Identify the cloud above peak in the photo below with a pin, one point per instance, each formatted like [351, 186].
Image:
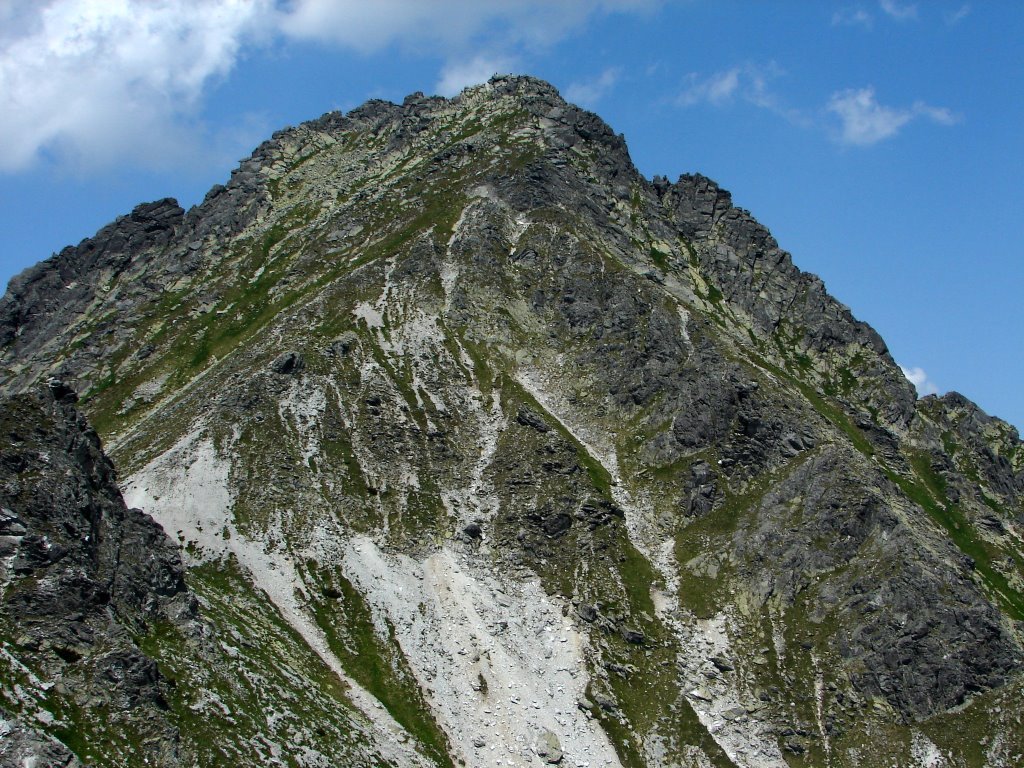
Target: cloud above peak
[852, 17]
[898, 11]
[92, 83]
[746, 82]
[862, 119]
[457, 75]
[717, 88]
[588, 92]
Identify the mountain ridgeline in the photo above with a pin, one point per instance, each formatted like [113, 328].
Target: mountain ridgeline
[475, 447]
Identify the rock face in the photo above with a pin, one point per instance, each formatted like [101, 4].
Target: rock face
[483, 447]
[82, 576]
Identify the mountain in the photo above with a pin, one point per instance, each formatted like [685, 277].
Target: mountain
[483, 449]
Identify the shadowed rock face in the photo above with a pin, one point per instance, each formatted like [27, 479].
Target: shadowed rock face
[475, 437]
[82, 574]
[922, 660]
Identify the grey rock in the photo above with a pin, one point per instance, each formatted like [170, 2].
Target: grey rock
[288, 363]
[634, 636]
[898, 659]
[21, 745]
[734, 713]
[43, 299]
[548, 748]
[344, 344]
[529, 418]
[722, 664]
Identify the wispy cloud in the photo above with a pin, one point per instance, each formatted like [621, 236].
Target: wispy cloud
[743, 82]
[747, 83]
[955, 17]
[920, 380]
[864, 121]
[589, 92]
[104, 82]
[370, 26]
[717, 88]
[853, 17]
[898, 11]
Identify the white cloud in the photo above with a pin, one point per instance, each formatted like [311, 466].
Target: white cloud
[748, 82]
[717, 88]
[102, 82]
[852, 17]
[863, 121]
[589, 92]
[940, 115]
[99, 80]
[458, 75]
[897, 11]
[920, 380]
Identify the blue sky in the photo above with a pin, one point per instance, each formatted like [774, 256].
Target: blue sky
[881, 141]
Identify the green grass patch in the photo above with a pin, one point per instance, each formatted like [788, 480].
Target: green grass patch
[930, 494]
[375, 661]
[257, 681]
[600, 478]
[660, 259]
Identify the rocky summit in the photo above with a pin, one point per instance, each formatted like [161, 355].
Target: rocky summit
[443, 437]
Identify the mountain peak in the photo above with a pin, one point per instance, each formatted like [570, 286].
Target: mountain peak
[474, 435]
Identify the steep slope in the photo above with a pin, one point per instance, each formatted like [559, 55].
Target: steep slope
[108, 657]
[553, 461]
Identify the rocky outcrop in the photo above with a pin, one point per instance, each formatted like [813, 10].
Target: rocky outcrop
[106, 656]
[21, 745]
[82, 575]
[46, 298]
[746, 264]
[966, 443]
[921, 661]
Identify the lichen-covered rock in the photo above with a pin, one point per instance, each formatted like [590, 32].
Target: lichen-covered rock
[22, 746]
